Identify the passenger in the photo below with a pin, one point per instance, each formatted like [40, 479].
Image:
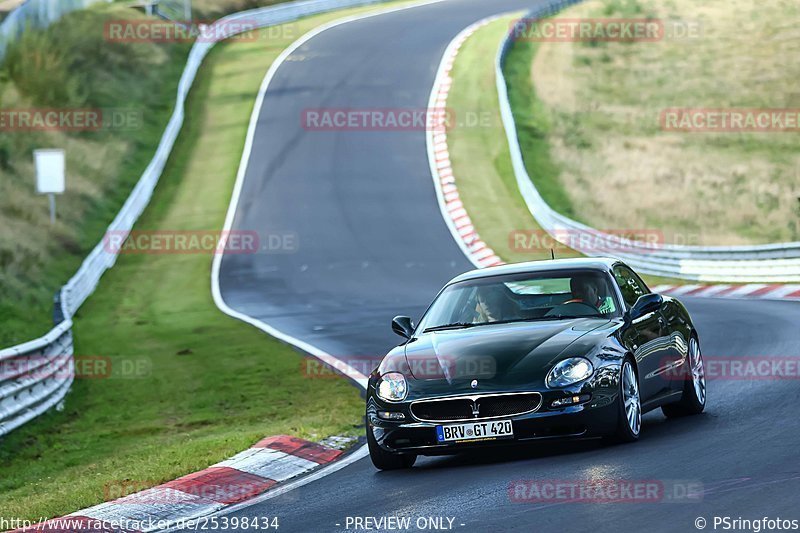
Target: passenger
[489, 305]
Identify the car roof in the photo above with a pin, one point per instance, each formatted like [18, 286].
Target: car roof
[604, 264]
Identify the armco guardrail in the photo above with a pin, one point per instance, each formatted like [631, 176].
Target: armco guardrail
[748, 264]
[36, 376]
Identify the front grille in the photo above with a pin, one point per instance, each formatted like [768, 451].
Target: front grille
[443, 410]
[487, 406]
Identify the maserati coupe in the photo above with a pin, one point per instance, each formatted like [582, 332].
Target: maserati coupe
[573, 348]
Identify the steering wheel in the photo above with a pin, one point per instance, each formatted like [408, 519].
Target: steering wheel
[573, 309]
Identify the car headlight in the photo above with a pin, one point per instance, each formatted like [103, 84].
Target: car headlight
[569, 371]
[392, 387]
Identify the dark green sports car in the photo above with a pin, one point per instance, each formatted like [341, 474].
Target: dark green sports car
[573, 348]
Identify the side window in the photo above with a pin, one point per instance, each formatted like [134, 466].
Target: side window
[629, 284]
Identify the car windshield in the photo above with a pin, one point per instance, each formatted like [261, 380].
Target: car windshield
[522, 297]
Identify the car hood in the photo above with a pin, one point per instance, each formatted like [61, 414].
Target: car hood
[501, 354]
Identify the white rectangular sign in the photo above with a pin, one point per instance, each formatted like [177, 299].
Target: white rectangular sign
[50, 167]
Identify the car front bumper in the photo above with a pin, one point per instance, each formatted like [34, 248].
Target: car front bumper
[596, 418]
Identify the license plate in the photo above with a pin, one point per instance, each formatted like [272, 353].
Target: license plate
[497, 429]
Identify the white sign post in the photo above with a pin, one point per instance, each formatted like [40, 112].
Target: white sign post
[50, 169]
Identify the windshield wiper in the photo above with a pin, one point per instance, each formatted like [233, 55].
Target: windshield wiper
[567, 317]
[463, 325]
[454, 325]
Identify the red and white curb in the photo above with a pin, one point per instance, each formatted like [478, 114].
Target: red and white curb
[481, 255]
[450, 203]
[242, 477]
[753, 291]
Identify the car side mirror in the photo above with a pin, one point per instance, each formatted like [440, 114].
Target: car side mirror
[403, 326]
[647, 303]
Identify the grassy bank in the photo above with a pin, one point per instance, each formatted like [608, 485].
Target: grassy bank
[210, 386]
[601, 153]
[72, 67]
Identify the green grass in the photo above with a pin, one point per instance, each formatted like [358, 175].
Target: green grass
[215, 385]
[533, 128]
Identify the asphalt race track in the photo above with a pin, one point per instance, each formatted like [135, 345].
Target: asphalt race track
[372, 244]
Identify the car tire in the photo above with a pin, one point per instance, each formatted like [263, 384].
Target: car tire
[629, 421]
[384, 460]
[693, 398]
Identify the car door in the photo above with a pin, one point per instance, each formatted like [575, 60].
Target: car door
[646, 337]
[678, 331]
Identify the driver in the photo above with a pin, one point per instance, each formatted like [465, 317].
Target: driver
[585, 291]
